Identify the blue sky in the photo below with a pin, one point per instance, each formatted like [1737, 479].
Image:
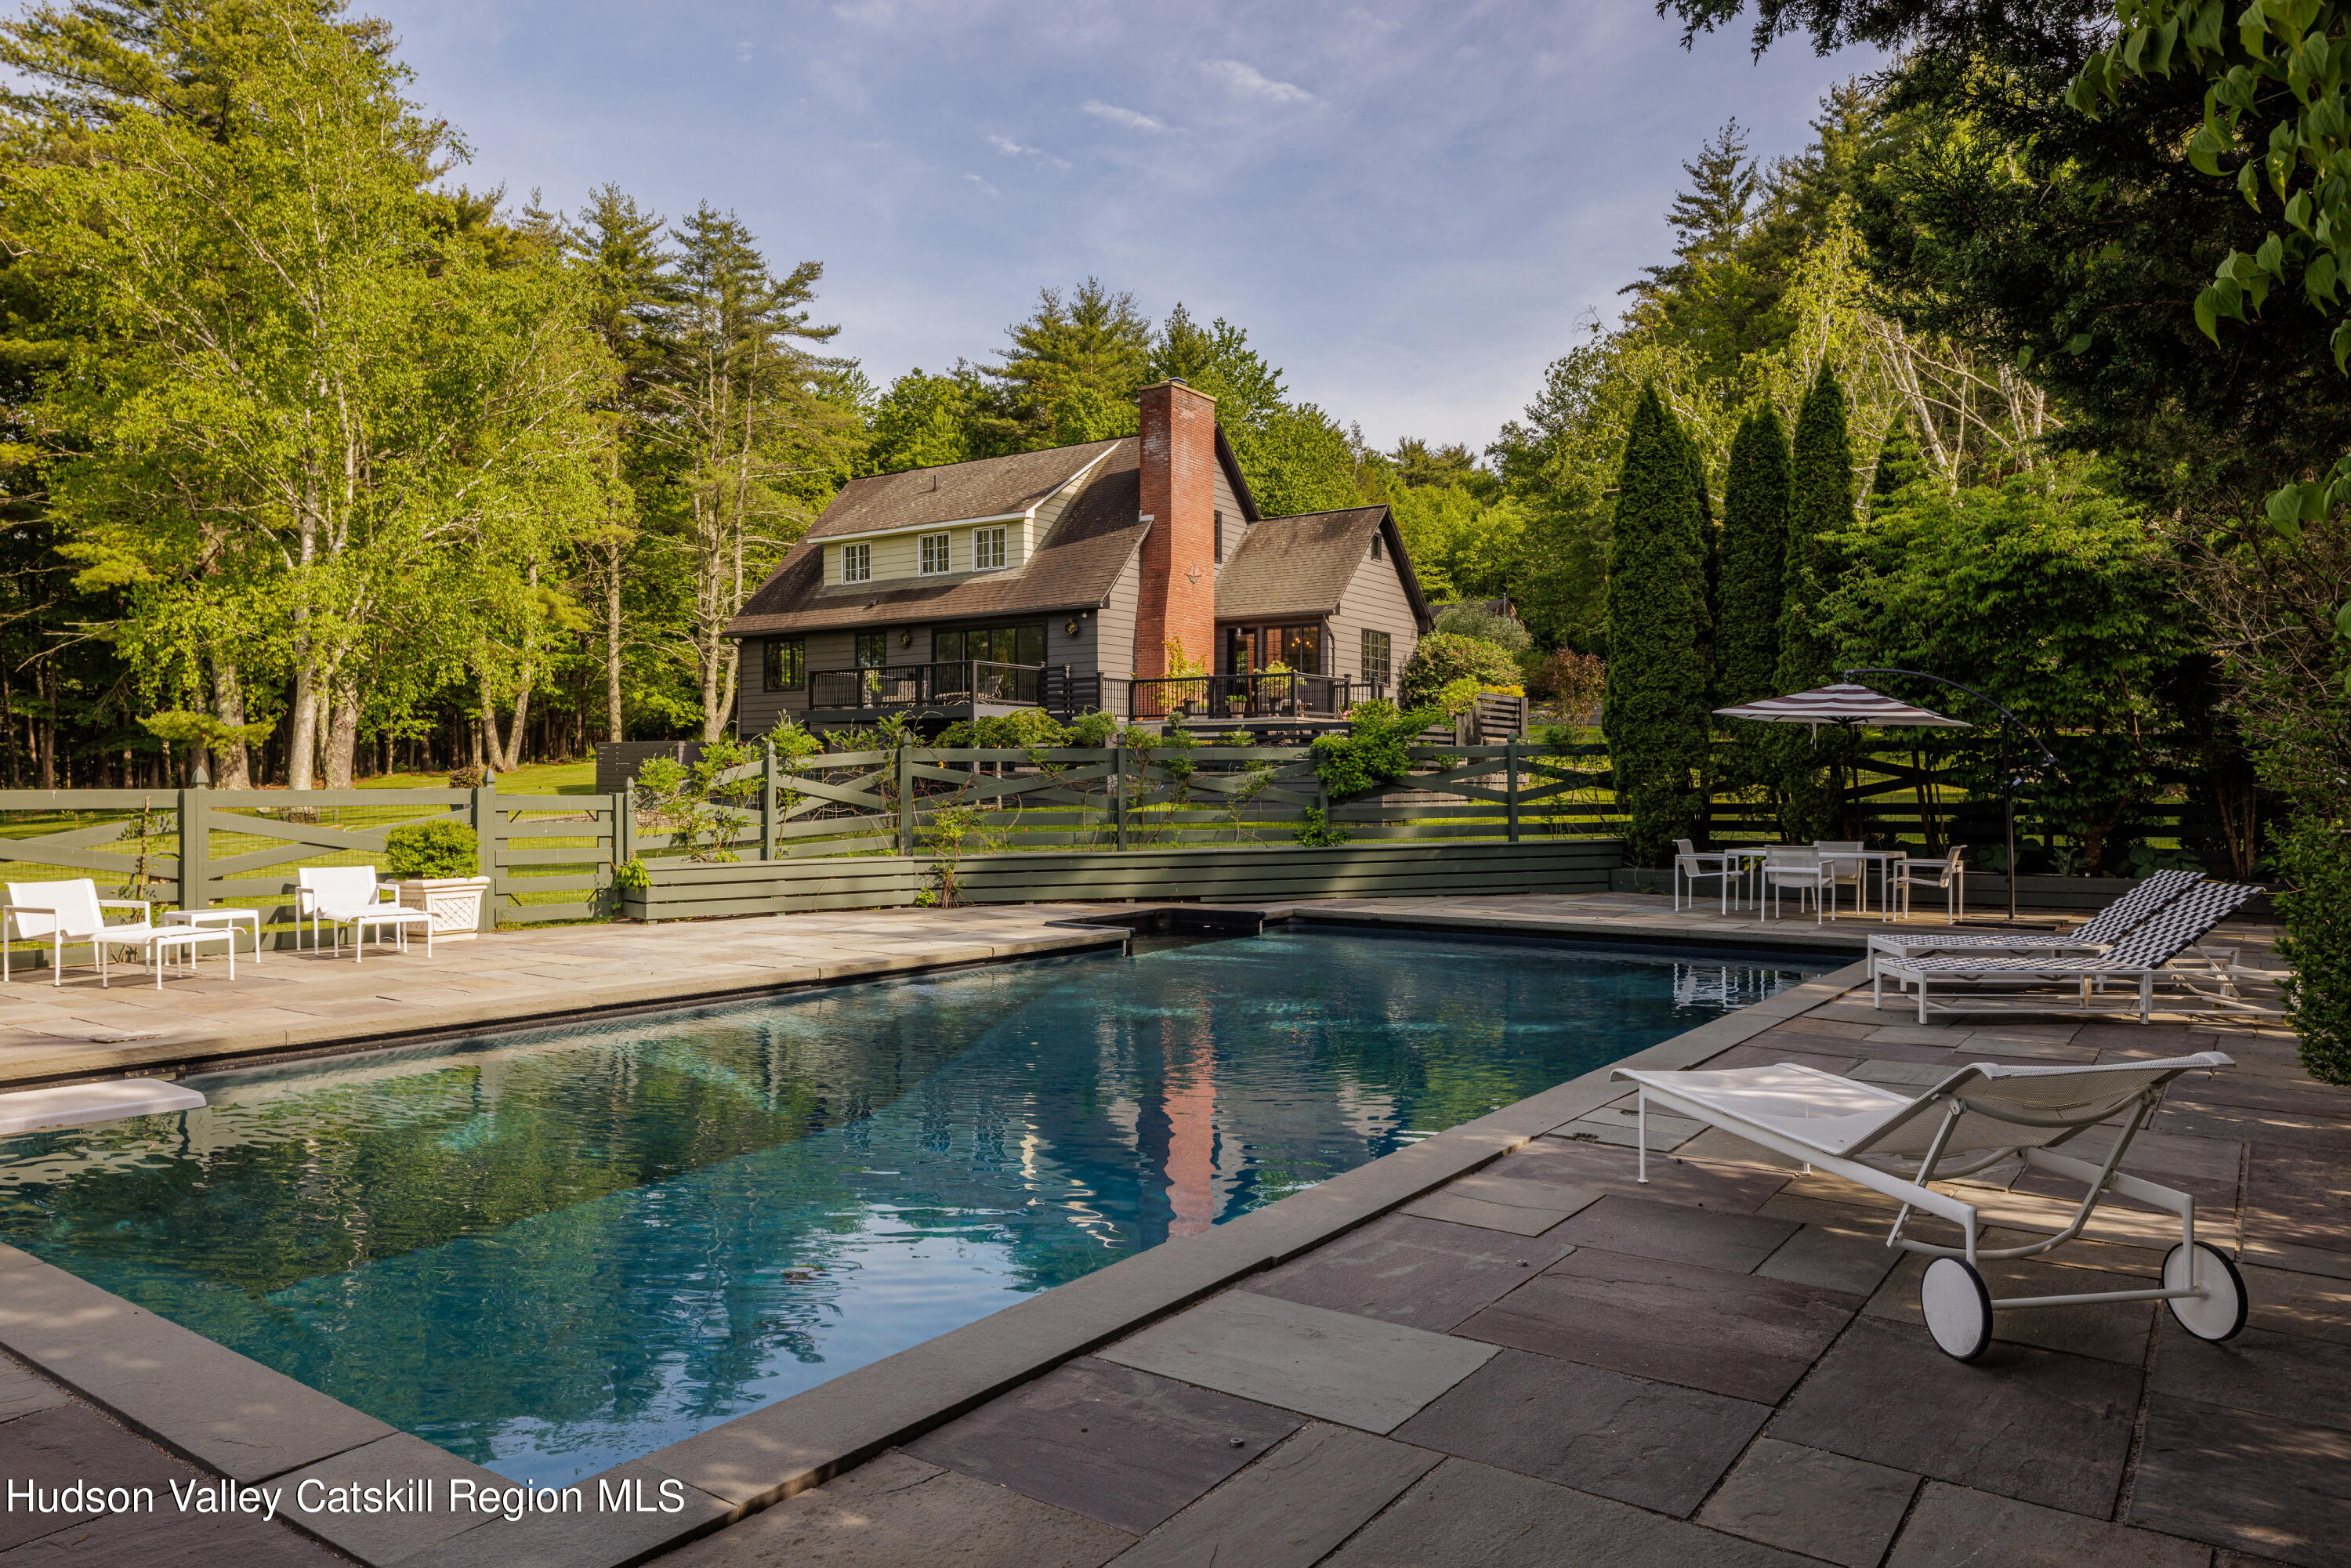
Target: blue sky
[1410, 206]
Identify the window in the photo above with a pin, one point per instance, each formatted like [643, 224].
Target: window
[783, 664]
[1220, 536]
[873, 649]
[1021, 643]
[937, 555]
[1376, 656]
[986, 549]
[1237, 651]
[857, 563]
[1299, 647]
[1376, 548]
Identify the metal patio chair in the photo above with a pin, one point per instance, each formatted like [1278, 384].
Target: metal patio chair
[1976, 1117]
[1690, 863]
[63, 913]
[350, 895]
[1948, 876]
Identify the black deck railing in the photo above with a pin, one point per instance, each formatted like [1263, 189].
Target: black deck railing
[951, 684]
[1247, 696]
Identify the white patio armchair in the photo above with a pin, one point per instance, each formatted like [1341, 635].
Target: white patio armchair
[1843, 872]
[66, 913]
[1691, 866]
[1788, 865]
[340, 895]
[1948, 876]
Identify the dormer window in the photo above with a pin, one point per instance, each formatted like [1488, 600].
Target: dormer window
[857, 563]
[1376, 544]
[936, 554]
[986, 549]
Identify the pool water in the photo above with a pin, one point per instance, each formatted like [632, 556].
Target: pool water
[552, 1252]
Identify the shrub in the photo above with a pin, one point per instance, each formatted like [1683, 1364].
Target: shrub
[1445, 657]
[1572, 680]
[1029, 727]
[2317, 944]
[1374, 751]
[440, 847]
[468, 778]
[1485, 626]
[1095, 728]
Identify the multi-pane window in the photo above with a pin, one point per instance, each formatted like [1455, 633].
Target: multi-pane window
[935, 554]
[1297, 648]
[783, 664]
[1021, 643]
[987, 549]
[857, 563]
[1376, 656]
[873, 650]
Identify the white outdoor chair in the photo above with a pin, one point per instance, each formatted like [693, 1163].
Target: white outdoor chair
[1803, 869]
[1948, 876]
[1845, 873]
[2101, 931]
[1976, 1117]
[2144, 958]
[71, 912]
[340, 895]
[1690, 863]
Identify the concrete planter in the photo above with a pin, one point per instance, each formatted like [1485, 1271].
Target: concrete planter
[454, 902]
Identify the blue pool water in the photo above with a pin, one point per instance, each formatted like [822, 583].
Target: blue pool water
[552, 1252]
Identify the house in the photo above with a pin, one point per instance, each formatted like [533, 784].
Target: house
[1080, 578]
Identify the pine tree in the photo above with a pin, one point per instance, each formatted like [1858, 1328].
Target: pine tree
[1820, 508]
[1755, 561]
[1898, 465]
[1656, 711]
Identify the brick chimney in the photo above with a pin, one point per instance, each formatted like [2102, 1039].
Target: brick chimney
[1179, 501]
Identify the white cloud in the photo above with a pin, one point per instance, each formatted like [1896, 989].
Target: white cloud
[1125, 117]
[985, 188]
[742, 48]
[1012, 149]
[1247, 81]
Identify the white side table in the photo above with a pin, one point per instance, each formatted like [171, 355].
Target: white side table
[225, 914]
[184, 939]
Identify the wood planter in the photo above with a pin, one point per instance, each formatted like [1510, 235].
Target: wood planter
[454, 903]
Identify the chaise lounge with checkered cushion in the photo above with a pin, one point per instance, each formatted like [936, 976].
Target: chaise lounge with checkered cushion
[2101, 931]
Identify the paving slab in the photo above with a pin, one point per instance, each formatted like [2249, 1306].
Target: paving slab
[1726, 1148]
[1468, 1515]
[1679, 1323]
[1640, 1441]
[1834, 1257]
[588, 1539]
[2258, 1484]
[1957, 1527]
[23, 1392]
[899, 1512]
[1621, 1124]
[392, 1535]
[1405, 1269]
[2036, 1425]
[1344, 1368]
[1503, 1203]
[1672, 1179]
[2108, 1330]
[170, 1539]
[1677, 1232]
[1126, 1448]
[66, 1445]
[1291, 1506]
[2261, 1370]
[2314, 1306]
[1824, 1505]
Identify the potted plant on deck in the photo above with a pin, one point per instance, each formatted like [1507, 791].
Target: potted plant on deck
[436, 862]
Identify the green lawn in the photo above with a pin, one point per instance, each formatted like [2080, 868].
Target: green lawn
[532, 779]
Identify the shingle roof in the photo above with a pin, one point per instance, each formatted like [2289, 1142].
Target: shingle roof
[983, 487]
[1302, 565]
[1074, 566]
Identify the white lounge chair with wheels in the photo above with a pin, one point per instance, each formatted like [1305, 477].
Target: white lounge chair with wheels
[1978, 1117]
[2101, 931]
[1948, 877]
[70, 912]
[350, 895]
[1691, 863]
[2147, 957]
[1788, 866]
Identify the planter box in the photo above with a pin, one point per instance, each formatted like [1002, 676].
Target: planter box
[454, 903]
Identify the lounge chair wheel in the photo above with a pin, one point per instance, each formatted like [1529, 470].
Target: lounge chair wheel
[1958, 1307]
[2218, 1315]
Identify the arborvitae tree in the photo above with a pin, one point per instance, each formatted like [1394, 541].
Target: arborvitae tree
[1898, 464]
[1820, 506]
[1655, 716]
[1754, 561]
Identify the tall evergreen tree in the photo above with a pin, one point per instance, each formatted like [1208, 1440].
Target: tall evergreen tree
[1898, 464]
[1820, 508]
[1754, 561]
[1656, 712]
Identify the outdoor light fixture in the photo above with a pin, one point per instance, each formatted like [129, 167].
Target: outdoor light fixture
[1070, 627]
[905, 639]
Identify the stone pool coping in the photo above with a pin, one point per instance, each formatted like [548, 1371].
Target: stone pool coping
[251, 1424]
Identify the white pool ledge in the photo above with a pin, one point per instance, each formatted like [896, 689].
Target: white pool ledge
[72, 1105]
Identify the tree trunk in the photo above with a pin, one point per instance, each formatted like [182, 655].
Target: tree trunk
[612, 645]
[47, 679]
[230, 768]
[302, 745]
[343, 733]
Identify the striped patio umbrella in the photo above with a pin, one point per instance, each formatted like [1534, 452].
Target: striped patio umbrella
[1846, 704]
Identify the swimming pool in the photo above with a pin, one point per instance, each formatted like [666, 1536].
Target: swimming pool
[554, 1251]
